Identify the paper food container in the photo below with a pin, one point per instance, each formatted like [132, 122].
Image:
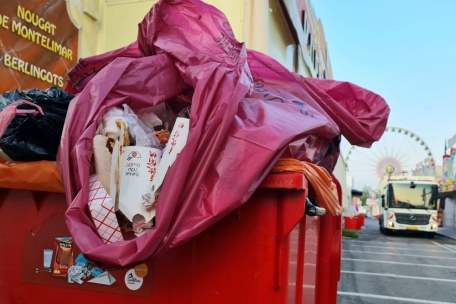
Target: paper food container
[176, 143]
[102, 211]
[138, 167]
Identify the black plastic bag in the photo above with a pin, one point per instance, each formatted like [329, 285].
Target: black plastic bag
[35, 137]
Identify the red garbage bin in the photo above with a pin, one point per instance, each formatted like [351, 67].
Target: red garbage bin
[351, 223]
[266, 251]
[361, 219]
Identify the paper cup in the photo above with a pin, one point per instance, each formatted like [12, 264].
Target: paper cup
[47, 258]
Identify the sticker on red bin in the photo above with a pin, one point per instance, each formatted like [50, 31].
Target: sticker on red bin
[132, 281]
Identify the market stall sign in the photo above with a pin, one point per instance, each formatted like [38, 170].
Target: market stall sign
[448, 181]
[38, 44]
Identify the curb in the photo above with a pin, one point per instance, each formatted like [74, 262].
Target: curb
[448, 237]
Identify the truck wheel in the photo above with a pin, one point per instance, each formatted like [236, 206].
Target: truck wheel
[386, 231]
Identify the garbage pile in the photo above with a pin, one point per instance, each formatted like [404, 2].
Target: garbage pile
[131, 154]
[31, 123]
[168, 135]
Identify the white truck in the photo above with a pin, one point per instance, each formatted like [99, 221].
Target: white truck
[409, 203]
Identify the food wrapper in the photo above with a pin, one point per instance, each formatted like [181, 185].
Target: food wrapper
[103, 148]
[102, 212]
[110, 126]
[63, 258]
[141, 134]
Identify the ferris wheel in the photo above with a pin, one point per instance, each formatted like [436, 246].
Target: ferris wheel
[398, 152]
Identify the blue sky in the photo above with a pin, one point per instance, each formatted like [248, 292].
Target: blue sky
[403, 50]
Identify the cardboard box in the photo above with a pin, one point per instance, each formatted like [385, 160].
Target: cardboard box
[176, 143]
[138, 167]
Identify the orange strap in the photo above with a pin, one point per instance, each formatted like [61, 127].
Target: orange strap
[319, 179]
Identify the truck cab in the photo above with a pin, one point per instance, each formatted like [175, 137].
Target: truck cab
[409, 204]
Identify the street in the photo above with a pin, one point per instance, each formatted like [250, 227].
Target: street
[401, 268]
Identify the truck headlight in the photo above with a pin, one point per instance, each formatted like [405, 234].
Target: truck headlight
[433, 226]
[390, 224]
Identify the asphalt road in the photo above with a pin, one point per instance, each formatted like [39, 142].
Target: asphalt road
[397, 269]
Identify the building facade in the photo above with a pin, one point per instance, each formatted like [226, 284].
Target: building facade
[286, 30]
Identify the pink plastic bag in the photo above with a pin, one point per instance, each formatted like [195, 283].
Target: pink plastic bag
[87, 68]
[244, 117]
[8, 113]
[360, 114]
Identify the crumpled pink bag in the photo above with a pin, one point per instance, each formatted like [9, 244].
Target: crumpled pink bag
[8, 113]
[247, 112]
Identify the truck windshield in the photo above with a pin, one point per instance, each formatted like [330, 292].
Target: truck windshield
[421, 196]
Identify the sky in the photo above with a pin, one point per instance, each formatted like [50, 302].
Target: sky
[403, 50]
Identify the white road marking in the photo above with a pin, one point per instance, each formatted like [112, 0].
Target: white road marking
[374, 296]
[444, 246]
[391, 275]
[451, 247]
[398, 263]
[399, 248]
[410, 255]
[394, 243]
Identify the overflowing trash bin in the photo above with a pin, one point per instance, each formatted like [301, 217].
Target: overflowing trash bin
[190, 170]
[259, 253]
